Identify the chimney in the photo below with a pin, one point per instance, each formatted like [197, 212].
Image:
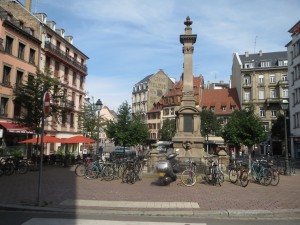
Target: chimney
[247, 54]
[28, 5]
[260, 52]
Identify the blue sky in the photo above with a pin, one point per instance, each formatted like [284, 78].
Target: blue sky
[127, 40]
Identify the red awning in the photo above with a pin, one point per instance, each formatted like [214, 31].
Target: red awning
[16, 128]
[47, 139]
[77, 139]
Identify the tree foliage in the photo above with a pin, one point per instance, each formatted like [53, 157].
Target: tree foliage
[244, 127]
[210, 124]
[128, 130]
[277, 129]
[88, 119]
[168, 130]
[29, 96]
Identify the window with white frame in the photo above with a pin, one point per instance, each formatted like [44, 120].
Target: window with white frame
[266, 127]
[261, 79]
[273, 112]
[272, 79]
[284, 77]
[282, 62]
[247, 80]
[265, 63]
[261, 94]
[223, 108]
[232, 107]
[262, 112]
[248, 65]
[247, 95]
[272, 93]
[212, 108]
[285, 93]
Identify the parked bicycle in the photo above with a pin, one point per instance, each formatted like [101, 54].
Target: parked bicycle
[213, 173]
[258, 172]
[238, 172]
[188, 176]
[98, 168]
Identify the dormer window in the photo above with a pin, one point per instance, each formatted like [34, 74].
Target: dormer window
[204, 108]
[223, 108]
[265, 64]
[282, 62]
[248, 65]
[232, 107]
[212, 108]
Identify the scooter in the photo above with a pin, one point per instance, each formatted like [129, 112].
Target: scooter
[167, 169]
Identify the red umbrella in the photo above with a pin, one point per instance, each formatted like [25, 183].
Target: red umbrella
[77, 139]
[47, 139]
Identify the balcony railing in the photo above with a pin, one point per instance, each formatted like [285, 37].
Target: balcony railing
[52, 48]
[67, 104]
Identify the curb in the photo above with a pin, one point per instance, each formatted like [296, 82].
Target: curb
[230, 213]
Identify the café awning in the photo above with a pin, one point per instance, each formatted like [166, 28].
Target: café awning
[16, 128]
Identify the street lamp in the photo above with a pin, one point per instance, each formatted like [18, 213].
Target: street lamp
[284, 106]
[98, 108]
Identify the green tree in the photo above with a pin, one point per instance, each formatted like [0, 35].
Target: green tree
[210, 124]
[88, 119]
[29, 95]
[277, 130]
[128, 130]
[168, 130]
[244, 127]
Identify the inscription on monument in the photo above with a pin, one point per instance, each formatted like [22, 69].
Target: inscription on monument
[188, 123]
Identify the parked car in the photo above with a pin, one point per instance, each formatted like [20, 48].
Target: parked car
[161, 148]
[119, 152]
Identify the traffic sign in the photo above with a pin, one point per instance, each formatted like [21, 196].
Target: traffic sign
[46, 103]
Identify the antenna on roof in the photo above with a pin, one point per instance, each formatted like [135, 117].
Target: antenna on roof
[255, 44]
[35, 6]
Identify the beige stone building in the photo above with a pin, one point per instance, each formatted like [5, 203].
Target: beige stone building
[47, 46]
[261, 79]
[149, 90]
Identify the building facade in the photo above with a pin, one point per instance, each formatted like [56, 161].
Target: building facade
[49, 48]
[293, 48]
[261, 80]
[19, 56]
[167, 106]
[149, 90]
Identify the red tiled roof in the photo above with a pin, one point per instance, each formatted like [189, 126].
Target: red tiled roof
[219, 98]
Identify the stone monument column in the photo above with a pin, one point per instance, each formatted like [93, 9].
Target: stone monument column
[188, 138]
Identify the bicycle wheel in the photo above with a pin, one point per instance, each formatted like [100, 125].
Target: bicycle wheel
[80, 170]
[221, 176]
[233, 175]
[107, 173]
[120, 170]
[275, 177]
[266, 177]
[188, 178]
[1, 170]
[91, 172]
[22, 167]
[9, 169]
[132, 177]
[244, 178]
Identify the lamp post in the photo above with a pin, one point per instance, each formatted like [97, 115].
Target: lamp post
[284, 106]
[98, 108]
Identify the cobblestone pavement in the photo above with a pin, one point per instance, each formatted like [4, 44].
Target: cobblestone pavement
[61, 184]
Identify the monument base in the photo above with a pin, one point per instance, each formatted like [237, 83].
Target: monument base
[189, 146]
